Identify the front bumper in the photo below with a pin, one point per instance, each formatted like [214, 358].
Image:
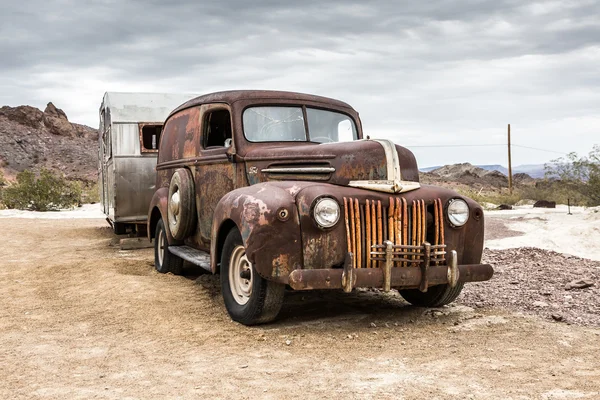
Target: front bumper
[422, 276]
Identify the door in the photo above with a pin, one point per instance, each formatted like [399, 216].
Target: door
[213, 172]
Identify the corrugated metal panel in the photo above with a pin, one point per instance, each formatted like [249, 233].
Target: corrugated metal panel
[135, 186]
[126, 139]
[142, 107]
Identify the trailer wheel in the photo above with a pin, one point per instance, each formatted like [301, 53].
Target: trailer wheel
[249, 298]
[181, 204]
[164, 260]
[435, 296]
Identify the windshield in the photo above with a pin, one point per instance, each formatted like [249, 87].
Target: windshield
[276, 124]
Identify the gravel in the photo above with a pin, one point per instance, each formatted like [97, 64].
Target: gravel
[539, 282]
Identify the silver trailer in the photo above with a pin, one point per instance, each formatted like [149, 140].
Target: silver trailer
[130, 129]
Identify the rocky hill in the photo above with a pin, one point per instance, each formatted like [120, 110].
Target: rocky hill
[32, 139]
[471, 176]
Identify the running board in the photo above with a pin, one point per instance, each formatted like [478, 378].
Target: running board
[197, 257]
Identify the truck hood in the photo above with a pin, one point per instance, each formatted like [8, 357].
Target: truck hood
[373, 164]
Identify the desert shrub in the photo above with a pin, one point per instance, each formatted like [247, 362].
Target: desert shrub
[2, 183]
[494, 197]
[578, 175]
[91, 193]
[45, 192]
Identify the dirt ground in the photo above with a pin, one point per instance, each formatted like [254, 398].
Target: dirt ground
[81, 319]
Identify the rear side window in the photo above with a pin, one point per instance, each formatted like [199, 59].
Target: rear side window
[217, 129]
[150, 137]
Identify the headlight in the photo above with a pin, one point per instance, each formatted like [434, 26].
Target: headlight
[458, 212]
[326, 212]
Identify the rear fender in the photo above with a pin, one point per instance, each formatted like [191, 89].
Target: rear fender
[158, 210]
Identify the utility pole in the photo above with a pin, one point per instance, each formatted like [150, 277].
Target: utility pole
[510, 187]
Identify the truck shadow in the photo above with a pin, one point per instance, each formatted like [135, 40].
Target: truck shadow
[335, 305]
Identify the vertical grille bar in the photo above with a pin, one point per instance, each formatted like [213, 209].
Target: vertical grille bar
[373, 230]
[391, 223]
[398, 226]
[424, 223]
[348, 235]
[404, 224]
[379, 223]
[353, 231]
[358, 241]
[368, 232]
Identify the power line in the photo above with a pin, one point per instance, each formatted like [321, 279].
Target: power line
[487, 145]
[457, 145]
[536, 148]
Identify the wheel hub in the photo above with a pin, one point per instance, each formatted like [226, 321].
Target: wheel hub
[160, 241]
[240, 275]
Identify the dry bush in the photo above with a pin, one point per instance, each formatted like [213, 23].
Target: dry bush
[41, 193]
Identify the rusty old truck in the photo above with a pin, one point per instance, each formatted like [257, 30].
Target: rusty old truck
[277, 190]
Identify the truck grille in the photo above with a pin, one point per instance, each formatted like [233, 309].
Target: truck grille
[415, 230]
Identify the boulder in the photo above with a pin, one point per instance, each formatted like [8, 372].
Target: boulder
[57, 123]
[24, 115]
[504, 207]
[544, 204]
[579, 284]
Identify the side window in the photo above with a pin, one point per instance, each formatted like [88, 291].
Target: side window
[217, 129]
[150, 137]
[106, 135]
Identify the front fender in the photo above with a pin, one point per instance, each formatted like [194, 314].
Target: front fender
[273, 242]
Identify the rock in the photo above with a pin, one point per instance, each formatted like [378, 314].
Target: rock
[504, 207]
[52, 111]
[544, 204]
[24, 115]
[57, 123]
[288, 342]
[85, 131]
[540, 304]
[579, 284]
[557, 317]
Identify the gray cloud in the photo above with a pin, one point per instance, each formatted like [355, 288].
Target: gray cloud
[418, 72]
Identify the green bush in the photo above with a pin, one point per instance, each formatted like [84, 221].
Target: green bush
[91, 193]
[42, 193]
[579, 174]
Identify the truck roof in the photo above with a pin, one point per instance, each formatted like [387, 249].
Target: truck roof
[232, 96]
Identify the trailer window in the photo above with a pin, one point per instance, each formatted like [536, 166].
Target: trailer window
[150, 137]
[217, 129]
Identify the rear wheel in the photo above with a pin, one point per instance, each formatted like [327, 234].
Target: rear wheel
[249, 298]
[181, 207]
[164, 260]
[436, 296]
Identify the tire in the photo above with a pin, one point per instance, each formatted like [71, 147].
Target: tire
[164, 260]
[436, 296]
[181, 204]
[248, 301]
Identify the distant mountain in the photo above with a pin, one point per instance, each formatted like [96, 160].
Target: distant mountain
[533, 170]
[495, 167]
[429, 169]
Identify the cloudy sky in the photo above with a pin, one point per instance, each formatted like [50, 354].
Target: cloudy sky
[448, 74]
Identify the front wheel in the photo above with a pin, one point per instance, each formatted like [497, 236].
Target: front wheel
[164, 260]
[249, 298]
[435, 296]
